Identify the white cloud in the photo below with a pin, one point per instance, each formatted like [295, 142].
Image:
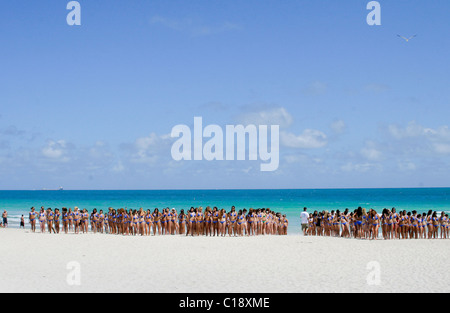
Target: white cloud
[118, 167]
[370, 152]
[422, 139]
[56, 150]
[315, 88]
[407, 166]
[278, 116]
[338, 126]
[148, 149]
[360, 167]
[309, 139]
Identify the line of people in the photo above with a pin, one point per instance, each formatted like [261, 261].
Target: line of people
[367, 225]
[195, 222]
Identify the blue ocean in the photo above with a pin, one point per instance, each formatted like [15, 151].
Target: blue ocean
[286, 201]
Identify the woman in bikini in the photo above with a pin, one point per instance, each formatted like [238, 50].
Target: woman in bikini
[285, 224]
[182, 223]
[442, 223]
[84, 221]
[42, 219]
[429, 224]
[395, 225]
[215, 221]
[50, 220]
[100, 221]
[239, 223]
[168, 221]
[135, 222]
[110, 220]
[222, 222]
[312, 225]
[366, 224]
[128, 221]
[94, 220]
[56, 220]
[244, 222]
[233, 220]
[106, 223]
[263, 221]
[447, 226]
[266, 219]
[65, 220]
[148, 222]
[326, 223]
[70, 220]
[258, 222]
[76, 219]
[141, 222]
[199, 224]
[175, 224]
[318, 222]
[251, 222]
[208, 221]
[32, 217]
[419, 227]
[156, 222]
[435, 222]
[383, 220]
[389, 225]
[356, 218]
[344, 225]
[412, 225]
[191, 222]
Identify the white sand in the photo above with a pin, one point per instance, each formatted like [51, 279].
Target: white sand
[109, 263]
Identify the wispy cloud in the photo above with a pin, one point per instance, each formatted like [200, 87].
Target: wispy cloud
[315, 88]
[309, 139]
[274, 116]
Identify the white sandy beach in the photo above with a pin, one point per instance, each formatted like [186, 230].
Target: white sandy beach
[293, 264]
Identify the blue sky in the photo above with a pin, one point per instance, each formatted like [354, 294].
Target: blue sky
[92, 106]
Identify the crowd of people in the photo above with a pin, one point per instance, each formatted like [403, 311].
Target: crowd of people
[194, 222]
[365, 224]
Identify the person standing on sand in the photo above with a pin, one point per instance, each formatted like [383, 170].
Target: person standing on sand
[42, 218]
[5, 219]
[304, 218]
[32, 218]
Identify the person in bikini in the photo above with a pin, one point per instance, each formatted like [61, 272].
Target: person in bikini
[42, 219]
[215, 221]
[156, 222]
[56, 220]
[182, 222]
[32, 218]
[50, 220]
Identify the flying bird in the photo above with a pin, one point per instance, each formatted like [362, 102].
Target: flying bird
[407, 39]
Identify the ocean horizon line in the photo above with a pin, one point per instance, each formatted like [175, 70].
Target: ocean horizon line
[231, 189]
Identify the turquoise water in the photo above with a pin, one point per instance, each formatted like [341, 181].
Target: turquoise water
[289, 202]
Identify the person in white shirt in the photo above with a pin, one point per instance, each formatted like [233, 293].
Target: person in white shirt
[304, 216]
